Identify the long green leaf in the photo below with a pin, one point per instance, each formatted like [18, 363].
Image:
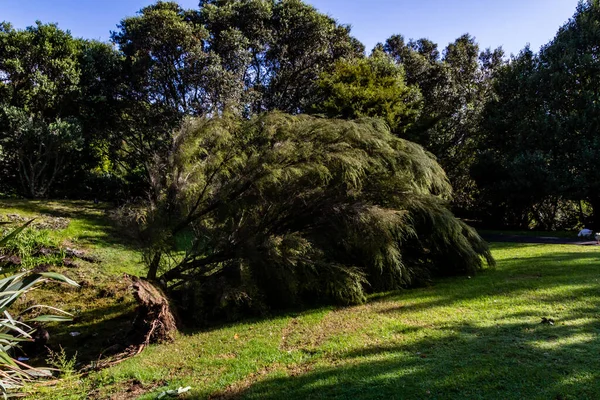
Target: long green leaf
[48, 307]
[15, 232]
[59, 277]
[50, 318]
[4, 336]
[6, 359]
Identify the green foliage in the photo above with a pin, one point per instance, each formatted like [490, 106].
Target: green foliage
[455, 87]
[30, 246]
[40, 134]
[162, 73]
[568, 72]
[541, 135]
[303, 207]
[227, 57]
[276, 49]
[62, 362]
[41, 151]
[166, 62]
[39, 66]
[369, 87]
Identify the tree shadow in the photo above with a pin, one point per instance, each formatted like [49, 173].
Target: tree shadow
[63, 208]
[522, 276]
[509, 361]
[518, 356]
[97, 336]
[552, 270]
[93, 224]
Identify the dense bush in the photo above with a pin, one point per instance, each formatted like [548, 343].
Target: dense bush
[281, 208]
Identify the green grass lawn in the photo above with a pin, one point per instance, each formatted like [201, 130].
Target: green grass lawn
[478, 337]
[475, 338]
[89, 228]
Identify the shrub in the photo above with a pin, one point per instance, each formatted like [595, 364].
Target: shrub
[298, 207]
[33, 247]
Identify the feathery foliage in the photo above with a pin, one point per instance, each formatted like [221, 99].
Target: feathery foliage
[283, 208]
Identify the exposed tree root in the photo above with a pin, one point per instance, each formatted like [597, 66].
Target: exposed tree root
[155, 320]
[154, 323]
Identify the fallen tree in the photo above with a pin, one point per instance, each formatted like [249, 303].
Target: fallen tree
[281, 210]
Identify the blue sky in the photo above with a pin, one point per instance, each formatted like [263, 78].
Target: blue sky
[507, 23]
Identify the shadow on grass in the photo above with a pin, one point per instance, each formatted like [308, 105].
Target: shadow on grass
[511, 361]
[63, 208]
[520, 274]
[504, 359]
[525, 273]
[99, 332]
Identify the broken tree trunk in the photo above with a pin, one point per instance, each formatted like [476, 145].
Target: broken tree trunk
[155, 321]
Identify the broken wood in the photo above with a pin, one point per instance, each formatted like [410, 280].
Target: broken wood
[154, 322]
[155, 319]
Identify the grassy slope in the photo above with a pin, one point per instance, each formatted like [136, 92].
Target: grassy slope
[89, 228]
[103, 306]
[478, 338]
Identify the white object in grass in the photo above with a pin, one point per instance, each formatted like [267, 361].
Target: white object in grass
[175, 392]
[585, 233]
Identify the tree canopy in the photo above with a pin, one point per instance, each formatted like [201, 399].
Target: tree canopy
[455, 86]
[40, 133]
[369, 87]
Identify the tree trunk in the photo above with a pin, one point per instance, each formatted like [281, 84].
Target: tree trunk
[155, 321]
[153, 267]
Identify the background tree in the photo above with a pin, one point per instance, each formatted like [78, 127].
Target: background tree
[569, 67]
[369, 87]
[41, 151]
[514, 170]
[167, 73]
[277, 49]
[542, 129]
[455, 87]
[39, 91]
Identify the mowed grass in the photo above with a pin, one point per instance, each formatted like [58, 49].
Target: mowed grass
[89, 228]
[478, 337]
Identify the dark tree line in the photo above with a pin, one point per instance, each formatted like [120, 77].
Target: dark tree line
[541, 142]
